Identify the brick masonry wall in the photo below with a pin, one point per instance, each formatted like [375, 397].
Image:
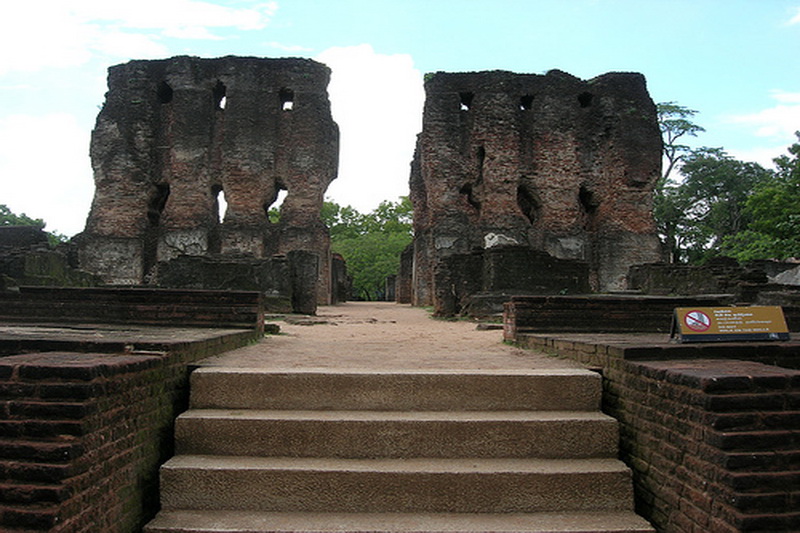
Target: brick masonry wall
[595, 313]
[134, 306]
[83, 436]
[714, 444]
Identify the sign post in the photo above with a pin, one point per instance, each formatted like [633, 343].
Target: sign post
[719, 324]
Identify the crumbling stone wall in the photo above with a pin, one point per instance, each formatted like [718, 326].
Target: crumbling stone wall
[26, 258]
[175, 134]
[550, 162]
[712, 442]
[477, 284]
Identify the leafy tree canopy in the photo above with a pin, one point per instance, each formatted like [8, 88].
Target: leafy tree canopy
[712, 199]
[370, 243]
[7, 218]
[675, 122]
[773, 211]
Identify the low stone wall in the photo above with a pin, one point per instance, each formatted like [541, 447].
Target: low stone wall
[713, 443]
[478, 283]
[595, 313]
[84, 435]
[152, 307]
[85, 425]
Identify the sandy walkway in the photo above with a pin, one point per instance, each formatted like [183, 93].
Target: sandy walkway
[370, 335]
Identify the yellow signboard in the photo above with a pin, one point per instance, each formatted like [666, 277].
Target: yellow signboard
[709, 324]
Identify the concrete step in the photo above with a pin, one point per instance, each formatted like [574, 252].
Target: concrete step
[243, 388]
[261, 522]
[395, 485]
[367, 434]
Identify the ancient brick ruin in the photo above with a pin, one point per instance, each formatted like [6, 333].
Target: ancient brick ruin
[548, 162]
[176, 134]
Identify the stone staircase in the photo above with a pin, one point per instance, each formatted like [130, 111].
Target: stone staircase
[314, 451]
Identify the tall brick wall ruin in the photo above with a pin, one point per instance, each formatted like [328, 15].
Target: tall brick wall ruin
[175, 134]
[550, 161]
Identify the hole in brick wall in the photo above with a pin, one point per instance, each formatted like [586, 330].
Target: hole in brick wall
[585, 99]
[164, 92]
[219, 95]
[466, 100]
[220, 203]
[157, 203]
[468, 192]
[287, 99]
[526, 102]
[588, 200]
[273, 209]
[527, 203]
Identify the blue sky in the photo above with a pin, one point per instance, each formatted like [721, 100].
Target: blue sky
[735, 61]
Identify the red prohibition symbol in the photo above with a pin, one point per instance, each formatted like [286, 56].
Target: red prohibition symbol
[697, 321]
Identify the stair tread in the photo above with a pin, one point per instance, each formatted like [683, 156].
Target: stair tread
[392, 465]
[368, 415]
[191, 521]
[533, 372]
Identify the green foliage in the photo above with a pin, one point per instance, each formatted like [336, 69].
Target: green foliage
[773, 208]
[714, 193]
[8, 218]
[674, 121]
[370, 244]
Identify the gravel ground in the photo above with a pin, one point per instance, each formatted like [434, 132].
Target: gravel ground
[383, 335]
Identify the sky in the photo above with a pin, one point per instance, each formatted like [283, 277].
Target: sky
[734, 61]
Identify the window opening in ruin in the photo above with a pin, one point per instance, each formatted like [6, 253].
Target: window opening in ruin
[158, 201]
[164, 93]
[273, 209]
[588, 200]
[526, 102]
[220, 203]
[467, 191]
[219, 95]
[528, 204]
[466, 100]
[585, 99]
[287, 99]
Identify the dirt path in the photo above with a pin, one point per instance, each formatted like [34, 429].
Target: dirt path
[379, 335]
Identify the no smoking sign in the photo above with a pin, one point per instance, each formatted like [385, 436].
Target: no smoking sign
[731, 323]
[697, 321]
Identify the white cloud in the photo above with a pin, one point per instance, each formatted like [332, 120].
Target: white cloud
[778, 122]
[44, 165]
[786, 98]
[796, 18]
[762, 156]
[377, 101]
[38, 34]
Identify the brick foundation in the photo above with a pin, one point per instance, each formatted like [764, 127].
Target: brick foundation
[84, 435]
[714, 444]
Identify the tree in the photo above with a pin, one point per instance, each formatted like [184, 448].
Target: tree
[773, 211]
[370, 244]
[7, 218]
[674, 122]
[669, 207]
[713, 196]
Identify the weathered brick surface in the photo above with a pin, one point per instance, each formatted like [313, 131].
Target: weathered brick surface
[134, 306]
[596, 313]
[714, 444]
[550, 162]
[477, 284]
[83, 435]
[174, 134]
